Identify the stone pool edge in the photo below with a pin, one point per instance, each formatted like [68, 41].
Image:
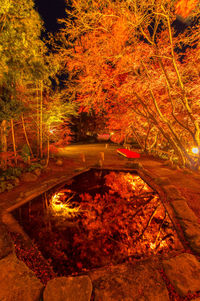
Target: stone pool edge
[173, 202]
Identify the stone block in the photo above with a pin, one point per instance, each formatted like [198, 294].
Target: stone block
[190, 229]
[183, 211]
[163, 181]
[183, 272]
[172, 193]
[17, 282]
[129, 282]
[68, 289]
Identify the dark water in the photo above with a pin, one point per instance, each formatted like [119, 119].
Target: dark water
[98, 218]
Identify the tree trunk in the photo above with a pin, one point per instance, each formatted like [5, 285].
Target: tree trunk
[25, 134]
[37, 119]
[41, 119]
[4, 144]
[13, 139]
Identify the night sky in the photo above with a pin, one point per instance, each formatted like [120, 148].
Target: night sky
[50, 11]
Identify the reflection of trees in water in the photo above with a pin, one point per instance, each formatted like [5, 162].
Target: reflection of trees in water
[129, 220]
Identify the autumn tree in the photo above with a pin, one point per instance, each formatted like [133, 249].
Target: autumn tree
[125, 58]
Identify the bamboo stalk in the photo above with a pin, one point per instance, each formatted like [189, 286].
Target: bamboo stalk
[41, 119]
[13, 139]
[25, 134]
[4, 144]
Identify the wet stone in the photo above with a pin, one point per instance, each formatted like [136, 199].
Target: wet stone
[129, 282]
[183, 272]
[68, 289]
[17, 282]
[183, 211]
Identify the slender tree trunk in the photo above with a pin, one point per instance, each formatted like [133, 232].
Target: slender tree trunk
[41, 119]
[4, 144]
[13, 139]
[25, 134]
[47, 160]
[37, 119]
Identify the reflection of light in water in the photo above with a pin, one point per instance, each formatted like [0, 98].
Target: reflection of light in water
[162, 244]
[61, 207]
[136, 182]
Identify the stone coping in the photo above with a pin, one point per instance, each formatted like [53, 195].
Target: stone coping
[122, 282]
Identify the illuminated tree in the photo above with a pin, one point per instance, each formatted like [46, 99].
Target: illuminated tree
[185, 7]
[21, 53]
[124, 59]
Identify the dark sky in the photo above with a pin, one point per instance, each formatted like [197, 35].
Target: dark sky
[50, 11]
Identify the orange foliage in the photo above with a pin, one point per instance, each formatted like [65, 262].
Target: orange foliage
[184, 7]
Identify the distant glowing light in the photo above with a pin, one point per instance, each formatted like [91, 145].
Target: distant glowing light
[195, 150]
[51, 131]
[61, 206]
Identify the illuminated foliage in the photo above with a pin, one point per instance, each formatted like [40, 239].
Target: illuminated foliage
[185, 7]
[124, 58]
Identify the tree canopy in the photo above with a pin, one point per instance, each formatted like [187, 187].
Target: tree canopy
[126, 58]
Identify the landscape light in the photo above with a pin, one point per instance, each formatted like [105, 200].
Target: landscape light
[195, 150]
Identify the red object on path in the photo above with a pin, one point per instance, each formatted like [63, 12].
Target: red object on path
[128, 153]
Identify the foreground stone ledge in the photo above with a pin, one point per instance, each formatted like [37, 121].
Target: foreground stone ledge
[192, 233]
[17, 282]
[129, 282]
[195, 245]
[172, 193]
[190, 229]
[183, 211]
[68, 289]
[183, 272]
[163, 181]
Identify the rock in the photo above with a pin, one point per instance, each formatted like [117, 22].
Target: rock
[183, 211]
[195, 244]
[134, 165]
[129, 282]
[17, 282]
[172, 193]
[68, 289]
[6, 245]
[29, 177]
[183, 272]
[190, 229]
[163, 181]
[59, 162]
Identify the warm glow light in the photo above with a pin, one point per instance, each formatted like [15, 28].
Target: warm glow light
[60, 206]
[195, 150]
[184, 7]
[136, 182]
